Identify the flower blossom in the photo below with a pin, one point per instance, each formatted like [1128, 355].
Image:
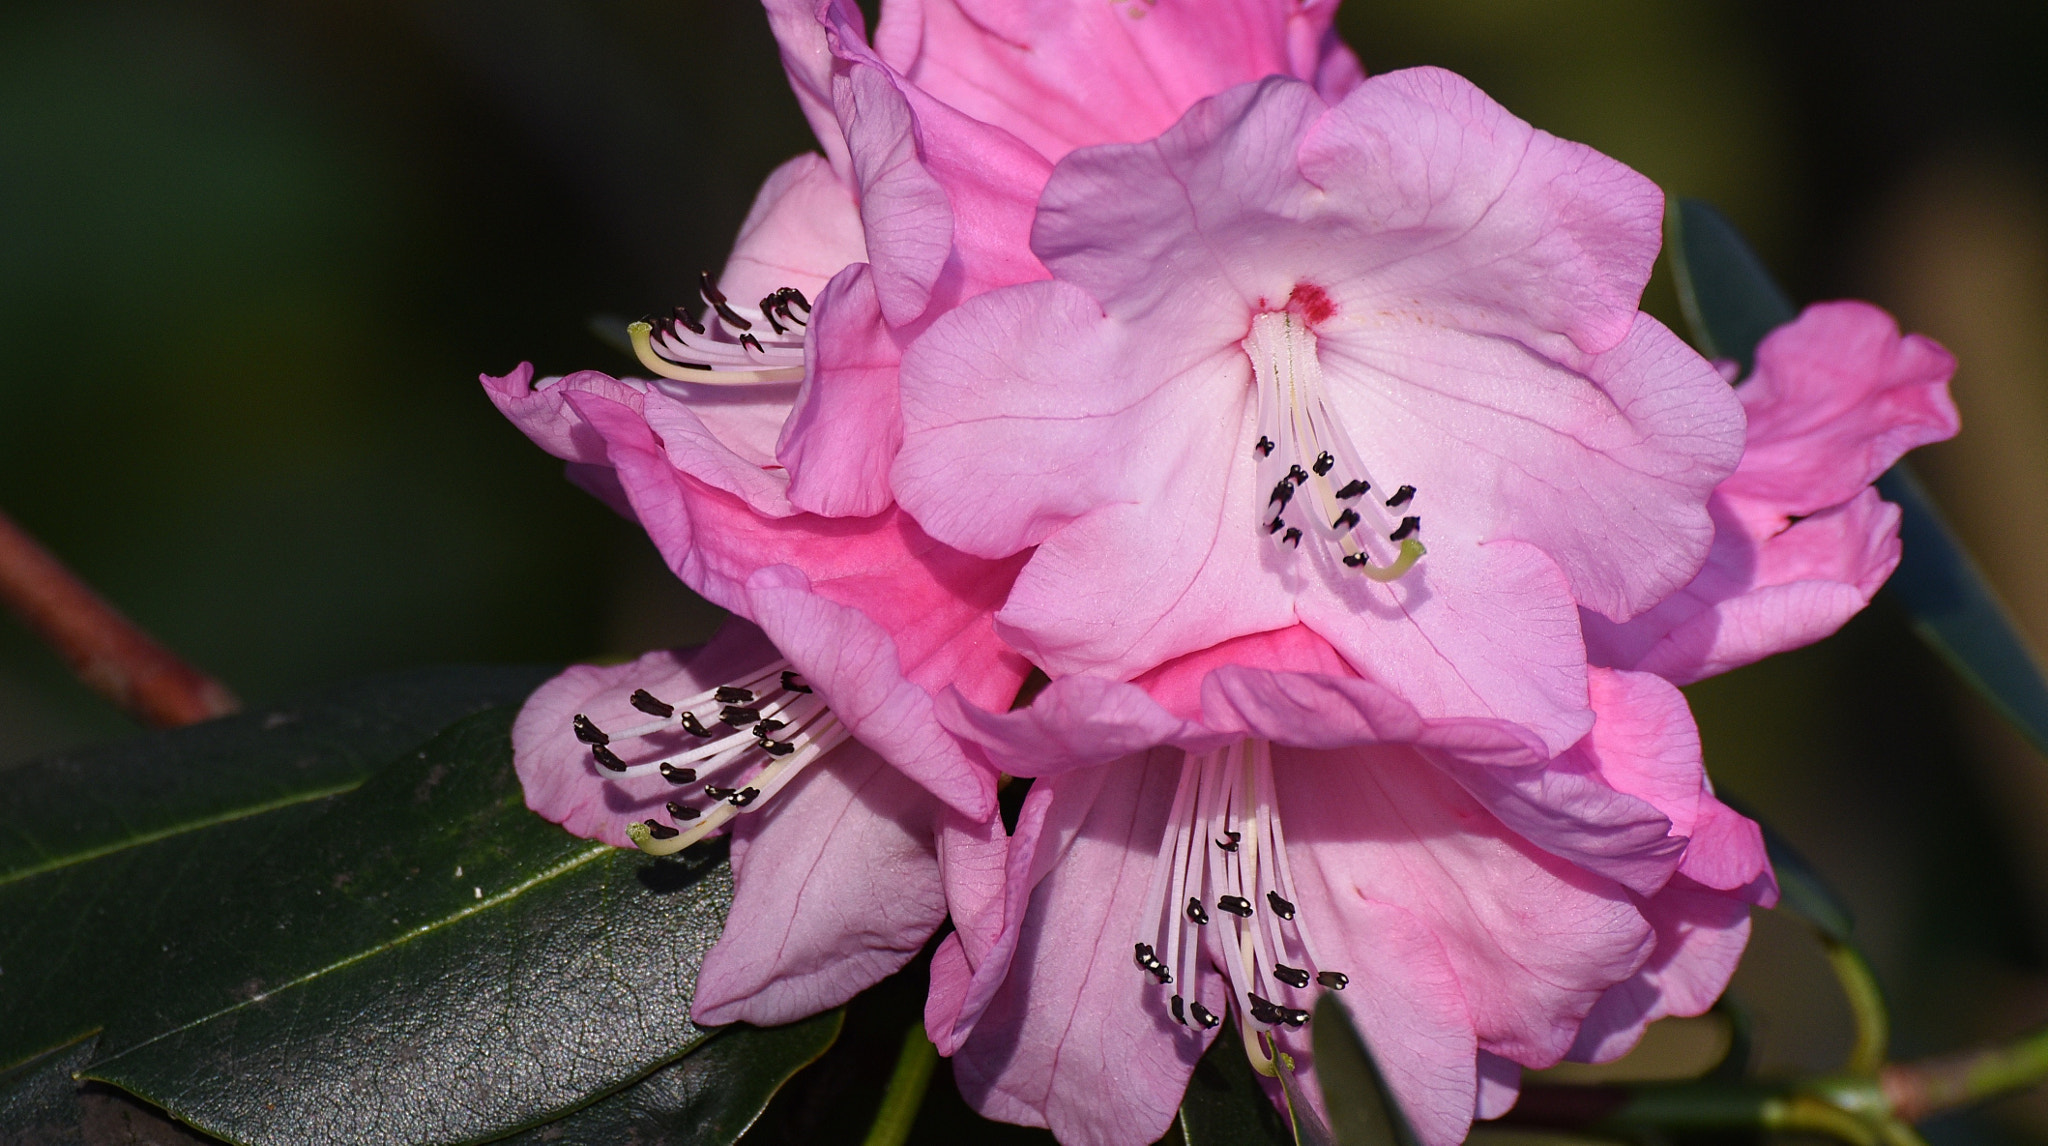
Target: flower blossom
[756, 457]
[1334, 420]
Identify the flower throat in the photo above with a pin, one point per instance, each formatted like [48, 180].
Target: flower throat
[1317, 488]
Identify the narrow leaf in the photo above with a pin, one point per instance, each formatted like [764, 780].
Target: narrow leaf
[1732, 302]
[1363, 1111]
[1225, 1105]
[427, 962]
[99, 849]
[708, 1098]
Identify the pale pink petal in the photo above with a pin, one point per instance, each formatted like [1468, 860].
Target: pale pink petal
[853, 663]
[904, 212]
[543, 413]
[836, 886]
[1534, 940]
[842, 436]
[1076, 722]
[1076, 1039]
[807, 59]
[1500, 1084]
[1838, 396]
[1700, 937]
[989, 907]
[1339, 711]
[1061, 74]
[803, 228]
[1480, 221]
[561, 779]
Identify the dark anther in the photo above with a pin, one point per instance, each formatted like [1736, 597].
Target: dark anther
[682, 811]
[1173, 1007]
[739, 715]
[661, 831]
[1275, 525]
[1323, 463]
[607, 759]
[713, 792]
[1292, 976]
[688, 320]
[693, 726]
[675, 775]
[1292, 537]
[645, 702]
[768, 312]
[1203, 1016]
[587, 732]
[1281, 907]
[1236, 905]
[1296, 474]
[1358, 560]
[1408, 525]
[1149, 961]
[1334, 980]
[1263, 447]
[727, 694]
[768, 725]
[1195, 912]
[1353, 489]
[744, 796]
[793, 682]
[775, 747]
[1229, 842]
[1294, 1016]
[796, 296]
[1345, 520]
[1264, 1011]
[750, 340]
[710, 292]
[1401, 496]
[1282, 494]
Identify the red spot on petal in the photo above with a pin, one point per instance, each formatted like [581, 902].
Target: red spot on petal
[1309, 301]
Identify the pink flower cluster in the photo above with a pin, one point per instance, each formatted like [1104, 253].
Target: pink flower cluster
[1304, 430]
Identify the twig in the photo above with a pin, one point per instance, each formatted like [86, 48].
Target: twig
[105, 649]
[900, 1102]
[1915, 1090]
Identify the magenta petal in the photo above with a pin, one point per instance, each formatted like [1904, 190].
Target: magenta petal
[1700, 937]
[1727, 854]
[1061, 74]
[836, 886]
[1534, 939]
[1313, 711]
[842, 436]
[1076, 1039]
[544, 414]
[853, 663]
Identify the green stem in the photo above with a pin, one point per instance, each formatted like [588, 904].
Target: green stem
[1866, 1005]
[1915, 1090]
[906, 1090]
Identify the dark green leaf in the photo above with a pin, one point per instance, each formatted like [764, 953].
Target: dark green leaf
[708, 1098]
[1730, 300]
[98, 848]
[427, 962]
[1363, 1112]
[38, 1100]
[1225, 1105]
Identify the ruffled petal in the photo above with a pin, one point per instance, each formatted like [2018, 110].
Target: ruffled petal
[836, 887]
[843, 434]
[1500, 1084]
[1700, 937]
[1076, 722]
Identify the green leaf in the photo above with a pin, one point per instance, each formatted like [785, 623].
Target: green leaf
[427, 962]
[1363, 1112]
[1225, 1105]
[38, 1100]
[1732, 302]
[708, 1098]
[99, 848]
[1729, 299]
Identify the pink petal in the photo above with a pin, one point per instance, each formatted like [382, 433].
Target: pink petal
[1500, 1084]
[1076, 1039]
[803, 229]
[989, 903]
[853, 663]
[1534, 940]
[1727, 854]
[836, 886]
[907, 219]
[1485, 223]
[1838, 396]
[807, 59]
[1700, 937]
[842, 436]
[562, 780]
[1061, 74]
[1340, 711]
[1177, 684]
[543, 412]
[1076, 722]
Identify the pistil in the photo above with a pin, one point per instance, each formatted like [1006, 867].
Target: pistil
[756, 734]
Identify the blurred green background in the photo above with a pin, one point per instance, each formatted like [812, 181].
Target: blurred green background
[253, 257]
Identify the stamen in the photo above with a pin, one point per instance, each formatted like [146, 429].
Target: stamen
[645, 702]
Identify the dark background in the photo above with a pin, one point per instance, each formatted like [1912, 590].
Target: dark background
[253, 256]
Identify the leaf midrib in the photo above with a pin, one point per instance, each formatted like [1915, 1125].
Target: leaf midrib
[596, 851]
[88, 855]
